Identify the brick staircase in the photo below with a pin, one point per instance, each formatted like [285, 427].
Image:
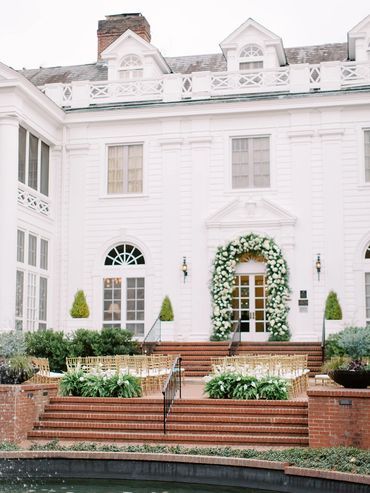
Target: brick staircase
[196, 356]
[194, 422]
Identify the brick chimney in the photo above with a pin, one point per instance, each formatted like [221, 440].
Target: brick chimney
[114, 25]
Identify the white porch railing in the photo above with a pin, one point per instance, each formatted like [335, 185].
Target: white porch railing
[34, 201]
[202, 85]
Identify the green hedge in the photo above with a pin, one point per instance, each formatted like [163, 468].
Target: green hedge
[57, 346]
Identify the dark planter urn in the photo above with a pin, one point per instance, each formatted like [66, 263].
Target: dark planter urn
[351, 379]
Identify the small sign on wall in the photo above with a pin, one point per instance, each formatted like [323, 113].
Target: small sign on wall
[303, 301]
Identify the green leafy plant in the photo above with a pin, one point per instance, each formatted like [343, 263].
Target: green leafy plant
[336, 363]
[113, 340]
[50, 344]
[221, 386]
[273, 388]
[100, 384]
[166, 313]
[332, 347]
[236, 386]
[333, 310]
[355, 342]
[16, 370]
[245, 387]
[12, 343]
[80, 308]
[84, 343]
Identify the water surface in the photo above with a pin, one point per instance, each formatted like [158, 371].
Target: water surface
[117, 486]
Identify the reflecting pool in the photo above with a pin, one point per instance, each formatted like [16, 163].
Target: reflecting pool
[117, 486]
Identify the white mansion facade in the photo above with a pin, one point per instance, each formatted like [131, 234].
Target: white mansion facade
[114, 174]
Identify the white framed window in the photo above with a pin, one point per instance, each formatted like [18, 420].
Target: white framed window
[31, 281]
[367, 155]
[33, 161]
[251, 57]
[124, 293]
[131, 68]
[20, 245]
[19, 294]
[125, 169]
[250, 162]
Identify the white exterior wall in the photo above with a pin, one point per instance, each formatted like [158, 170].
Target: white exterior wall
[318, 202]
[316, 178]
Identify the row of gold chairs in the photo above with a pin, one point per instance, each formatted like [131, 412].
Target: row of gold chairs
[152, 371]
[290, 367]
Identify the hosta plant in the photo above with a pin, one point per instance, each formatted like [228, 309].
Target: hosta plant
[237, 386]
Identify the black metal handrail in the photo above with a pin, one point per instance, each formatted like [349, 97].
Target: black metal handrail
[323, 337]
[235, 339]
[170, 389]
[152, 338]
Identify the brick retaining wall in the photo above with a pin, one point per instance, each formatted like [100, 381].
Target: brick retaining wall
[20, 406]
[339, 417]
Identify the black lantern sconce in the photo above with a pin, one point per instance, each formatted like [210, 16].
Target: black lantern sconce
[318, 266]
[184, 268]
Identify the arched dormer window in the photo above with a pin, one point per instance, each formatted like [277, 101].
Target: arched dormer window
[124, 254]
[251, 57]
[124, 289]
[131, 68]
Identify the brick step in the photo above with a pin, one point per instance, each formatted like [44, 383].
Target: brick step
[174, 427]
[216, 439]
[104, 408]
[195, 411]
[179, 418]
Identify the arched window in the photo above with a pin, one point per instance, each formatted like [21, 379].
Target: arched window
[251, 57]
[124, 289]
[131, 68]
[124, 254]
[367, 253]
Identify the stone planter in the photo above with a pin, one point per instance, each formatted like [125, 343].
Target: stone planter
[351, 379]
[168, 331]
[333, 326]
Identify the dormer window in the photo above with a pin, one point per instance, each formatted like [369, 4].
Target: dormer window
[251, 57]
[131, 68]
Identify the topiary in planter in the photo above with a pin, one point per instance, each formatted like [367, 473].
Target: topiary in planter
[80, 308]
[333, 310]
[166, 313]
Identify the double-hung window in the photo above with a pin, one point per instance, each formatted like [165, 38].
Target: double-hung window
[33, 161]
[250, 162]
[367, 155]
[125, 169]
[31, 281]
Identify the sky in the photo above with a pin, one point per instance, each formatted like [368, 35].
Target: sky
[46, 33]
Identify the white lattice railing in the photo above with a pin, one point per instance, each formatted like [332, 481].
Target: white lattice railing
[187, 86]
[353, 73]
[33, 201]
[131, 90]
[175, 87]
[248, 81]
[315, 76]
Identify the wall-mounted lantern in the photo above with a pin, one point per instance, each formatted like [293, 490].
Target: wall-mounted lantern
[318, 266]
[184, 268]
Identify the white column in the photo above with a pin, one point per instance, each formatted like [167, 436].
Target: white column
[200, 327]
[171, 246]
[74, 243]
[8, 219]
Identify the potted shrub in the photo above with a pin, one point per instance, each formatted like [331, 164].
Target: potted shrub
[79, 312]
[333, 314]
[352, 369]
[167, 320]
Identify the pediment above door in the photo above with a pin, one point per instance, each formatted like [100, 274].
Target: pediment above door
[250, 213]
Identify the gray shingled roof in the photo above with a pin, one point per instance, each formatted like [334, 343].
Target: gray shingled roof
[182, 64]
